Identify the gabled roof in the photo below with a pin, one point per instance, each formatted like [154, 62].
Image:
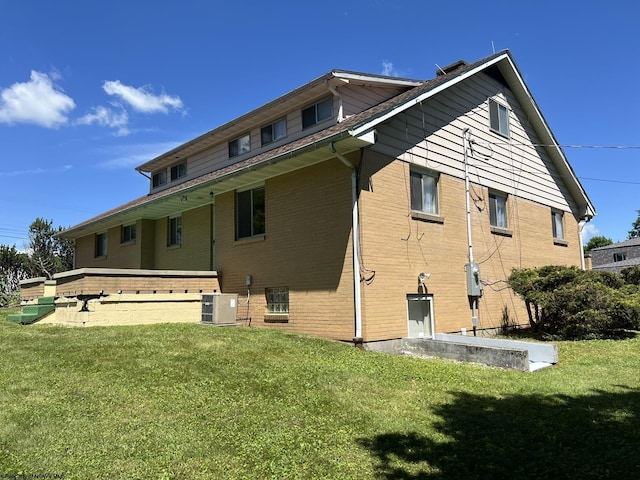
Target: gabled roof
[633, 242]
[349, 135]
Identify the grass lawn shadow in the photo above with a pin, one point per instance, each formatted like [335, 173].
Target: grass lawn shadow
[520, 437]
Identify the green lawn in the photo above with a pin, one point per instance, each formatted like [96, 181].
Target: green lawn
[200, 402]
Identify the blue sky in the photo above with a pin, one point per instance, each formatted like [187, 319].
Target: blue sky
[89, 90]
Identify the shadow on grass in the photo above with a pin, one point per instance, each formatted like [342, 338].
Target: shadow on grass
[520, 437]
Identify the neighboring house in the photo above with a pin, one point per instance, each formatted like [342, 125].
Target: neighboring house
[341, 208]
[615, 257]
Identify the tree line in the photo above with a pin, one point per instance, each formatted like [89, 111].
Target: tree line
[45, 255]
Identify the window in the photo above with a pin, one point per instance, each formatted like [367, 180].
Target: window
[101, 245]
[557, 224]
[159, 178]
[178, 171]
[128, 233]
[424, 192]
[273, 132]
[498, 118]
[619, 257]
[240, 145]
[174, 231]
[277, 300]
[317, 113]
[250, 213]
[498, 210]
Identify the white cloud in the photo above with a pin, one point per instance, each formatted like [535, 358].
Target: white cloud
[36, 171]
[106, 117]
[38, 101]
[131, 156]
[388, 70]
[141, 99]
[589, 231]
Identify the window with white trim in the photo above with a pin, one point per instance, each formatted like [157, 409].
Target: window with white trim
[101, 245]
[128, 233]
[174, 231]
[178, 171]
[277, 300]
[240, 145]
[275, 131]
[250, 213]
[498, 117]
[557, 224]
[424, 192]
[317, 112]
[159, 178]
[498, 210]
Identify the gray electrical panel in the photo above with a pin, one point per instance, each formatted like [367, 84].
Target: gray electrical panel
[474, 285]
[219, 308]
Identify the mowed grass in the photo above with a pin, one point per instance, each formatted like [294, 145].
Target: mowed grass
[198, 402]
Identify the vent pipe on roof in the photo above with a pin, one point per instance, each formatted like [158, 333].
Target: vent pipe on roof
[450, 68]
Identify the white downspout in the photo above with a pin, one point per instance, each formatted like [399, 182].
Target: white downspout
[581, 225]
[356, 243]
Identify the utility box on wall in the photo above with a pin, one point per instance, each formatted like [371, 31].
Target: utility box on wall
[474, 285]
[220, 308]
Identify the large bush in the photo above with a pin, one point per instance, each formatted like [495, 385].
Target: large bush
[569, 303]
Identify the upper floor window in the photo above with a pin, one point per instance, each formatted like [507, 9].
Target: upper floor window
[240, 145]
[159, 178]
[498, 118]
[557, 224]
[174, 231]
[619, 257]
[317, 113]
[178, 171]
[424, 192]
[128, 233]
[250, 213]
[101, 245]
[498, 210]
[273, 132]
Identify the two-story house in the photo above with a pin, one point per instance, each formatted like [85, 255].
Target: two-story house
[359, 207]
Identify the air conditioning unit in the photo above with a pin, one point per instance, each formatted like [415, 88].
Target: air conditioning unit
[220, 308]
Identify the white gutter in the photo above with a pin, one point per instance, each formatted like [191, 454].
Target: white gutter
[356, 244]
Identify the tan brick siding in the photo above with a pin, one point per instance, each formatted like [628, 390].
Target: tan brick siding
[307, 248]
[397, 248]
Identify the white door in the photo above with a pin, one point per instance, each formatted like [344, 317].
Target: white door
[420, 316]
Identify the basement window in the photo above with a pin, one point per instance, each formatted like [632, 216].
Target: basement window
[318, 112]
[277, 305]
[498, 118]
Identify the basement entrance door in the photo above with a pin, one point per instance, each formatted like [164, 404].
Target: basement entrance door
[420, 316]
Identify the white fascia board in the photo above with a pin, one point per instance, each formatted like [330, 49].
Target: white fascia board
[364, 78]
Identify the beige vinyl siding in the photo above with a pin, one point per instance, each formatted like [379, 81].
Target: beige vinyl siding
[431, 135]
[357, 98]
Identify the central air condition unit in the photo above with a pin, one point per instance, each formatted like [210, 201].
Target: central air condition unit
[220, 308]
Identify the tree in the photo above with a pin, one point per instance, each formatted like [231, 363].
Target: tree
[14, 266]
[635, 228]
[49, 254]
[597, 242]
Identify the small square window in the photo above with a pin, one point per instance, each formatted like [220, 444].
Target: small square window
[101, 245]
[498, 210]
[273, 132]
[240, 145]
[277, 300]
[174, 231]
[178, 171]
[557, 224]
[159, 178]
[128, 233]
[498, 118]
[317, 113]
[424, 193]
